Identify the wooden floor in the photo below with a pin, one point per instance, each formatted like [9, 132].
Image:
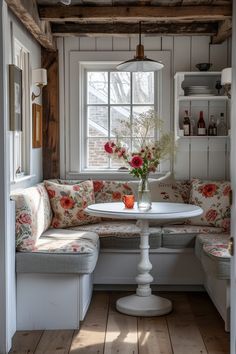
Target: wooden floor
[194, 327]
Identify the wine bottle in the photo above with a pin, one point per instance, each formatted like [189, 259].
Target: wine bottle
[186, 124]
[211, 126]
[201, 126]
[221, 127]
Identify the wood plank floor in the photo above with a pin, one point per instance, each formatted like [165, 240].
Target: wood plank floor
[193, 327]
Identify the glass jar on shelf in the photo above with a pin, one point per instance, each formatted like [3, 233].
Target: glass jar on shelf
[221, 126]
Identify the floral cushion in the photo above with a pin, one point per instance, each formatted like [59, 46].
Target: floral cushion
[59, 241]
[217, 250]
[214, 198]
[68, 203]
[184, 187]
[209, 240]
[191, 229]
[110, 191]
[33, 215]
[163, 189]
[112, 228]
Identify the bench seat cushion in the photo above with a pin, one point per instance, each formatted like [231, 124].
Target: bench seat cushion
[216, 260]
[183, 236]
[121, 234]
[209, 240]
[61, 251]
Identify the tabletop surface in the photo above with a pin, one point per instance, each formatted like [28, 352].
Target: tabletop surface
[161, 211]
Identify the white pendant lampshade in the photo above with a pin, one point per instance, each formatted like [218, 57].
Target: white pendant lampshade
[39, 77]
[140, 62]
[226, 76]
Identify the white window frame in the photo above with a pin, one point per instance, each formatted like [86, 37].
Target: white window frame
[73, 124]
[84, 122]
[21, 141]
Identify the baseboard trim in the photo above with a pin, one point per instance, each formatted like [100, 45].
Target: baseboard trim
[122, 287]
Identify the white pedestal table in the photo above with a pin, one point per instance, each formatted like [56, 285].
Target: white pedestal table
[144, 303]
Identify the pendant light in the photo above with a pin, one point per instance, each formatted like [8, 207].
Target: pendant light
[140, 62]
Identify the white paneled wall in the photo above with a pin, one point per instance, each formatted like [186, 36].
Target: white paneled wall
[206, 158]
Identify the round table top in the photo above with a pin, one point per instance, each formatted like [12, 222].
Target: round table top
[160, 211]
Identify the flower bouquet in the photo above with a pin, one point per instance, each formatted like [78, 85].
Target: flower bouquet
[147, 157]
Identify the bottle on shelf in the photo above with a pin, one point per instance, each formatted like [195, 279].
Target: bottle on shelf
[186, 124]
[221, 127]
[201, 125]
[212, 129]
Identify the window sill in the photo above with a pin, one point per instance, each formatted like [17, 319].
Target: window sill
[110, 175]
[22, 179]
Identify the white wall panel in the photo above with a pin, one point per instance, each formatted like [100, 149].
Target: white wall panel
[182, 50]
[217, 158]
[218, 56]
[104, 43]
[199, 51]
[199, 158]
[87, 43]
[120, 43]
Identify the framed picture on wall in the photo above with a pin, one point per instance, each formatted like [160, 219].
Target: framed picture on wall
[37, 125]
[15, 97]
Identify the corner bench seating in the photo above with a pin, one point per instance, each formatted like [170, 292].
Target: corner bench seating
[56, 268]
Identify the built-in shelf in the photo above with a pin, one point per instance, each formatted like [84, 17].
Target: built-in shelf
[202, 98]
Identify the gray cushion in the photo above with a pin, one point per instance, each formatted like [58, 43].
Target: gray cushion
[121, 234]
[183, 236]
[209, 239]
[61, 251]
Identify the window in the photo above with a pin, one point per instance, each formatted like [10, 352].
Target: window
[113, 97]
[95, 97]
[20, 140]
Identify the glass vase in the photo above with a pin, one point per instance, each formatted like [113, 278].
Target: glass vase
[144, 195]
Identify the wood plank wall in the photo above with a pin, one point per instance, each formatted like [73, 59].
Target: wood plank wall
[186, 52]
[51, 140]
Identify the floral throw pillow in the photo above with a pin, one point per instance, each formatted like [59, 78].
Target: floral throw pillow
[214, 198]
[110, 191]
[163, 189]
[68, 203]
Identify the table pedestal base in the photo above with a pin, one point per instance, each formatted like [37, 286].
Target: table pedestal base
[144, 305]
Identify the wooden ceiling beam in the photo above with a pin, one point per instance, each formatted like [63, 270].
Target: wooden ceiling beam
[134, 13]
[126, 28]
[224, 32]
[27, 12]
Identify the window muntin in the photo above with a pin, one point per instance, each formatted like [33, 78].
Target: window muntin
[112, 96]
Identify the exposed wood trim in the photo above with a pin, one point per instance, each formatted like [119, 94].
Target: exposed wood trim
[51, 136]
[224, 31]
[27, 12]
[135, 13]
[127, 28]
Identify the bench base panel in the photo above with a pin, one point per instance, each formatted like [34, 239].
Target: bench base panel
[52, 301]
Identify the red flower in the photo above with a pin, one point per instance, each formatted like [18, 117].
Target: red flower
[97, 186]
[208, 190]
[227, 190]
[136, 161]
[24, 219]
[116, 195]
[226, 224]
[76, 187]
[109, 147]
[51, 193]
[211, 215]
[67, 203]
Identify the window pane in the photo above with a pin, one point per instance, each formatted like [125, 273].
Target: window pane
[137, 144]
[143, 87]
[140, 125]
[119, 162]
[97, 157]
[97, 121]
[119, 114]
[97, 87]
[120, 87]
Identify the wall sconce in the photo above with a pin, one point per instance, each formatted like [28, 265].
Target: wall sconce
[226, 80]
[39, 78]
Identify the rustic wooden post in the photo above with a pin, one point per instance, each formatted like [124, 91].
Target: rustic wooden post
[51, 137]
